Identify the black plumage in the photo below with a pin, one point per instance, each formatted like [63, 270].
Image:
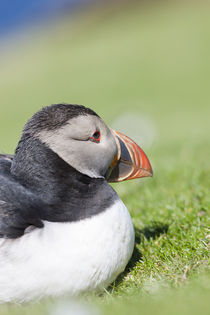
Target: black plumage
[36, 184]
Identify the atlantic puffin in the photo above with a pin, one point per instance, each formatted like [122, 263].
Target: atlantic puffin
[63, 229]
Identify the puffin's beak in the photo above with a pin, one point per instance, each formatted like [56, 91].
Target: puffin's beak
[130, 162]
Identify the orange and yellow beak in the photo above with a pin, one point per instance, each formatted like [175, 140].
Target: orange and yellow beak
[130, 162]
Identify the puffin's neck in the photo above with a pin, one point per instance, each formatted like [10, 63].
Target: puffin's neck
[58, 184]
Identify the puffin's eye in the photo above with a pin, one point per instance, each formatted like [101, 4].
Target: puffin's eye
[96, 137]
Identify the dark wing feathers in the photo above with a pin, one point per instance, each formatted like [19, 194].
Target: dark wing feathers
[18, 208]
[14, 220]
[7, 157]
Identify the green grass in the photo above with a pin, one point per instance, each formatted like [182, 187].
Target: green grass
[149, 61]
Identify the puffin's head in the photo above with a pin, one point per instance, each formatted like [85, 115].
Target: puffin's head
[82, 139]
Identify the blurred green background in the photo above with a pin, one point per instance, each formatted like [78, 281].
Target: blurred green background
[144, 67]
[149, 58]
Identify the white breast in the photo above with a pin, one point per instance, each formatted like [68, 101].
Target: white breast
[67, 257]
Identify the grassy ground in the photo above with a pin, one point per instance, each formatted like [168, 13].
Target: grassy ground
[148, 61]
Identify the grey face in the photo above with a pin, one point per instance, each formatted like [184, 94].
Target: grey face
[85, 143]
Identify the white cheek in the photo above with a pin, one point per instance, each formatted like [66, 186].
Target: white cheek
[76, 153]
[89, 158]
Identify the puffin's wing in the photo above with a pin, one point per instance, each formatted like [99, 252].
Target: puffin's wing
[17, 212]
[14, 221]
[5, 164]
[6, 157]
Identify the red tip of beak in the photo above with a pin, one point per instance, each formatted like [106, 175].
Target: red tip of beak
[142, 166]
[133, 162]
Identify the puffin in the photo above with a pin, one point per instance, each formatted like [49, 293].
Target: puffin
[63, 228]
